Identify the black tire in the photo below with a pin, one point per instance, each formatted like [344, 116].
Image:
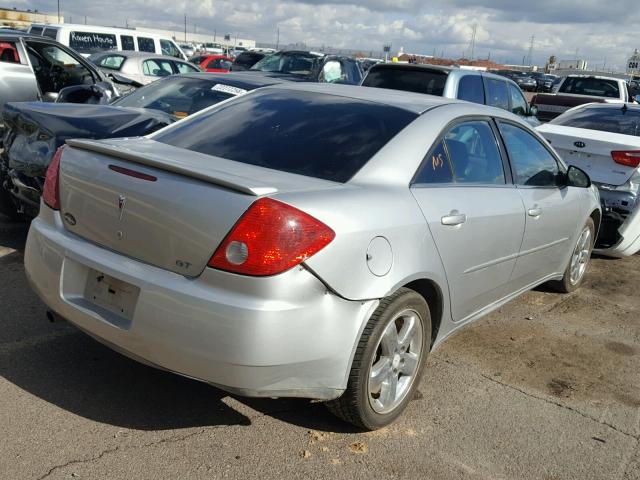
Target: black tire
[566, 285]
[354, 405]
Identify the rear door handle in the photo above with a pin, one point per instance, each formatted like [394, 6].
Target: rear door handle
[534, 212]
[454, 218]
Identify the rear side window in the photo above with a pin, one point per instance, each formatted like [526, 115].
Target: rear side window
[615, 120]
[471, 89]
[35, 30]
[127, 42]
[497, 94]
[599, 87]
[88, 42]
[112, 62]
[9, 53]
[146, 45]
[185, 67]
[467, 154]
[311, 134]
[532, 163]
[409, 79]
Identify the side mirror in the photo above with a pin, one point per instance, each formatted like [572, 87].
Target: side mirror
[533, 110]
[577, 177]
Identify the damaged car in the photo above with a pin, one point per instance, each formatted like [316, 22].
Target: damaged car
[604, 141]
[35, 130]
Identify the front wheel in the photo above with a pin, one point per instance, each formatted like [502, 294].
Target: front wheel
[574, 273]
[388, 362]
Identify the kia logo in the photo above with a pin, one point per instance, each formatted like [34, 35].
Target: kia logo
[579, 144]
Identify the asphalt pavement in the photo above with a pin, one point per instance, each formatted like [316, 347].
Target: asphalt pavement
[546, 388]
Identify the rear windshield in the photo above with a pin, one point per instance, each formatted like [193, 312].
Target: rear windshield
[410, 79]
[313, 134]
[596, 87]
[615, 120]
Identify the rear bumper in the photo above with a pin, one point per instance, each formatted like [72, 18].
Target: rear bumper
[629, 243]
[278, 336]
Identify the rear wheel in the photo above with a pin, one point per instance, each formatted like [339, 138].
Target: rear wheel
[388, 363]
[575, 271]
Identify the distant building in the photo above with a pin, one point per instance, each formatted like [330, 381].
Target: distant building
[633, 64]
[572, 65]
[22, 19]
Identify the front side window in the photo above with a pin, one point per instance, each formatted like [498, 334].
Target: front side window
[185, 67]
[55, 69]
[532, 163]
[471, 89]
[157, 68]
[168, 48]
[89, 42]
[146, 45]
[127, 42]
[518, 102]
[497, 94]
[313, 134]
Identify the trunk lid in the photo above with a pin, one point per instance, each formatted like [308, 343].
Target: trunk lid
[174, 217]
[595, 156]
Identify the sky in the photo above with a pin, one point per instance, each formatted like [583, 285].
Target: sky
[602, 32]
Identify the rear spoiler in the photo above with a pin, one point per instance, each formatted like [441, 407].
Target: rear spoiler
[209, 175]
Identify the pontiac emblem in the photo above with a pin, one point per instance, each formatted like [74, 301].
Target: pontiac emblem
[122, 200]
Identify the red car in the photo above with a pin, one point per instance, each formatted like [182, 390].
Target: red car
[213, 63]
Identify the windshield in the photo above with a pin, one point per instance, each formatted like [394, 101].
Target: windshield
[624, 120]
[297, 63]
[178, 96]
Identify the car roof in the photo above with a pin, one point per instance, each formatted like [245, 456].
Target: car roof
[132, 54]
[6, 32]
[235, 79]
[417, 103]
[599, 77]
[413, 66]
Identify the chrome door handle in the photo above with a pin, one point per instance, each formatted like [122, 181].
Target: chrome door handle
[534, 212]
[454, 218]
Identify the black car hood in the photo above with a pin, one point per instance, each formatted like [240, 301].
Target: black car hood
[34, 130]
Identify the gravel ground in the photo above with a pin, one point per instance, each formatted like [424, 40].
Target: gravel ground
[548, 387]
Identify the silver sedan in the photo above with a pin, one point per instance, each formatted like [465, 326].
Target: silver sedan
[308, 240]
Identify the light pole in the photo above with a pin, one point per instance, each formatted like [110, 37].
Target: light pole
[58, 11]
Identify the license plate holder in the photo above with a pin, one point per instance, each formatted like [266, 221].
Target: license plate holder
[111, 294]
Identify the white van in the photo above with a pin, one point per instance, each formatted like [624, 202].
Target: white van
[88, 39]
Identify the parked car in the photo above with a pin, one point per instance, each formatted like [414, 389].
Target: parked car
[604, 140]
[304, 66]
[37, 68]
[142, 67]
[188, 49]
[544, 81]
[634, 89]
[214, 63]
[576, 90]
[35, 130]
[211, 47]
[246, 60]
[523, 79]
[316, 242]
[450, 82]
[89, 39]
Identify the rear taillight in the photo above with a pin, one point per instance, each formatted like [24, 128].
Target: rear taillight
[51, 191]
[627, 158]
[271, 237]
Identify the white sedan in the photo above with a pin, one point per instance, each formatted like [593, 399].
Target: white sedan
[604, 141]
